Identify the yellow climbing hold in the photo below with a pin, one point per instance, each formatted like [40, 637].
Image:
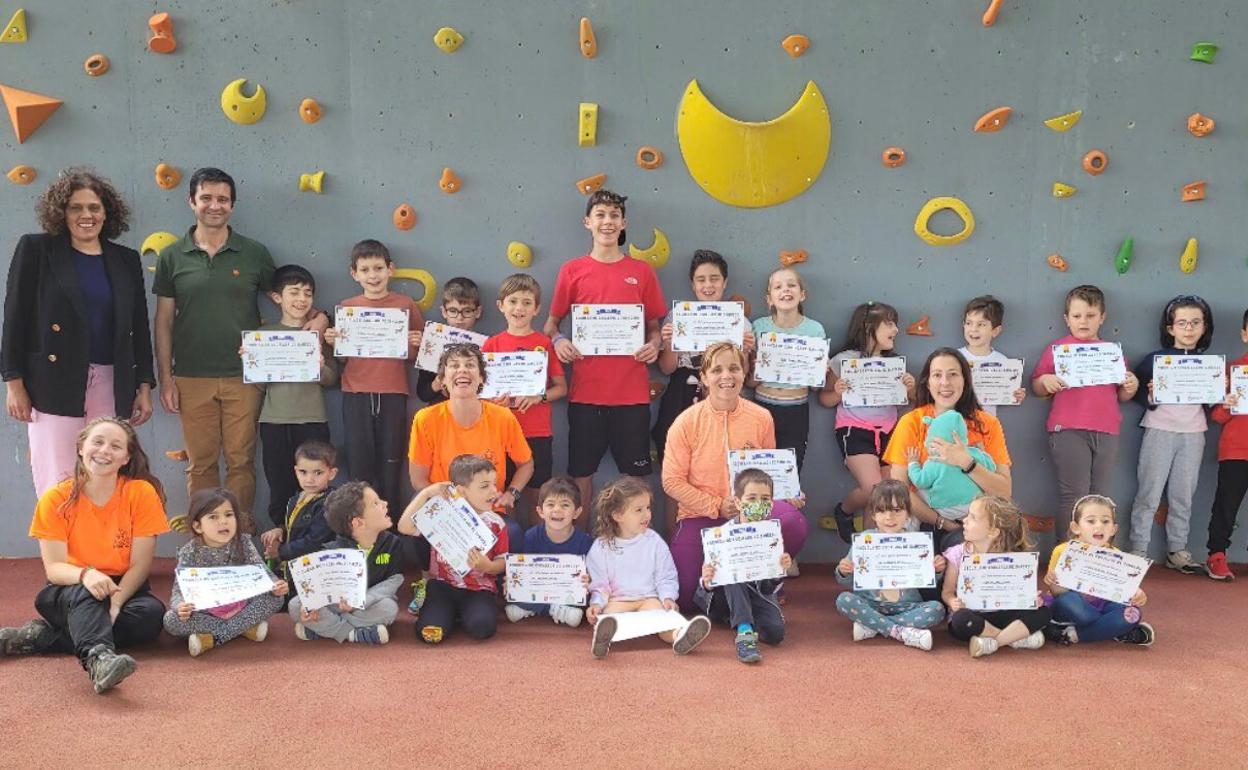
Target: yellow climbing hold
[657, 254]
[448, 40]
[243, 110]
[1187, 262]
[936, 204]
[425, 279]
[15, 30]
[312, 182]
[519, 254]
[157, 242]
[587, 125]
[1065, 122]
[1062, 190]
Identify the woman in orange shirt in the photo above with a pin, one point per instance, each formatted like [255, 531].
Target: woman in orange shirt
[97, 534]
[944, 384]
[695, 464]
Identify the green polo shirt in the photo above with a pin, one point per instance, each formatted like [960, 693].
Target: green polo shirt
[216, 301]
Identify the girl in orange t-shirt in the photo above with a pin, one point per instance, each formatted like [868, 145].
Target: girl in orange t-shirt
[97, 534]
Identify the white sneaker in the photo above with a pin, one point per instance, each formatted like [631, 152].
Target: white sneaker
[1182, 561]
[515, 613]
[198, 644]
[982, 645]
[1032, 642]
[792, 571]
[915, 637]
[862, 632]
[259, 632]
[566, 614]
[1140, 552]
[691, 635]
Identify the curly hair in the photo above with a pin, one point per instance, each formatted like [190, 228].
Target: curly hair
[51, 206]
[614, 498]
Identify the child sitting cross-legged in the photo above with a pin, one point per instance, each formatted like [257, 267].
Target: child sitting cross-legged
[558, 506]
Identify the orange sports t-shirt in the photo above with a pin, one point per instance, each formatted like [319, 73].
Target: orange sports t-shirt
[911, 431]
[100, 536]
[437, 439]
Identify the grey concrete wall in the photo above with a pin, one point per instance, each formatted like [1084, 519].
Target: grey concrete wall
[502, 112]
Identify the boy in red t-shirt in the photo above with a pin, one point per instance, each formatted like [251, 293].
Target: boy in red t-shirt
[1232, 471]
[520, 300]
[609, 405]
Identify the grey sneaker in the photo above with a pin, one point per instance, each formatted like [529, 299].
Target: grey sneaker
[691, 635]
[1182, 561]
[107, 668]
[33, 636]
[604, 632]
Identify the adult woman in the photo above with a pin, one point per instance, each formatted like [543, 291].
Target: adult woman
[76, 342]
[466, 425]
[97, 534]
[945, 384]
[695, 463]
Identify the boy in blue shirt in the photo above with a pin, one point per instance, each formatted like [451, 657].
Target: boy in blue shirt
[558, 506]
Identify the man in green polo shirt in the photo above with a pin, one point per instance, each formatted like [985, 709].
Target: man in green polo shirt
[206, 286]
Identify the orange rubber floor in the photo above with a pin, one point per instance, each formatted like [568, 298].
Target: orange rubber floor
[532, 696]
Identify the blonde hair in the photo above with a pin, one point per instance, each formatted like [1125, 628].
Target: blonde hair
[801, 282]
[708, 355]
[613, 499]
[1007, 518]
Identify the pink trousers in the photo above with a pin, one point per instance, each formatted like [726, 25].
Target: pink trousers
[54, 438]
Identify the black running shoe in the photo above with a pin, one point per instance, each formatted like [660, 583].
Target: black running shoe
[1142, 635]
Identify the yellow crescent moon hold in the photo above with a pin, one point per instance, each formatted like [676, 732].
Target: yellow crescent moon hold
[425, 279]
[157, 242]
[753, 165]
[241, 109]
[657, 254]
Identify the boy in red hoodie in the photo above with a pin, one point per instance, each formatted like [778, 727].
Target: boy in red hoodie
[1232, 474]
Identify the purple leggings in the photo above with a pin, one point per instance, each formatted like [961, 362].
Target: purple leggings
[686, 545]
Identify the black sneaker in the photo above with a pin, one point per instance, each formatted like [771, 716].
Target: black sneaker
[1142, 635]
[35, 636]
[107, 668]
[1058, 632]
[844, 523]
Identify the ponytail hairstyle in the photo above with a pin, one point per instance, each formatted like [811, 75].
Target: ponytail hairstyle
[205, 501]
[863, 323]
[614, 498]
[1005, 517]
[137, 468]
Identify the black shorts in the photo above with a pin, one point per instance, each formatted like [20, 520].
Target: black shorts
[543, 449]
[625, 430]
[860, 441]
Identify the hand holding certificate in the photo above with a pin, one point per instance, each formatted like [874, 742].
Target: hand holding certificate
[281, 356]
[791, 359]
[325, 577]
[1105, 573]
[210, 587]
[779, 464]
[370, 332]
[453, 529]
[556, 578]
[522, 373]
[1184, 379]
[698, 325]
[1239, 389]
[995, 381]
[874, 381]
[436, 337]
[743, 552]
[1082, 364]
[998, 581]
[608, 330]
[892, 561]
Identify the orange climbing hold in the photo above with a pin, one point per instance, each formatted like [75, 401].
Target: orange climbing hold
[309, 111]
[449, 182]
[993, 120]
[790, 258]
[162, 40]
[1200, 125]
[1095, 162]
[1038, 523]
[96, 64]
[990, 15]
[167, 177]
[27, 109]
[589, 43]
[893, 157]
[1057, 262]
[795, 45]
[591, 184]
[649, 157]
[21, 175]
[920, 328]
[404, 217]
[177, 454]
[1194, 191]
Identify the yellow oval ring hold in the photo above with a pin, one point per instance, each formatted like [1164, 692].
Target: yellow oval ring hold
[657, 254]
[425, 279]
[936, 204]
[157, 242]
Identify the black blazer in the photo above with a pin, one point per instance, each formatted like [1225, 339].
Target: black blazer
[45, 336]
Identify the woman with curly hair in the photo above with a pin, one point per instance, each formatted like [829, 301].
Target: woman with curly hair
[76, 343]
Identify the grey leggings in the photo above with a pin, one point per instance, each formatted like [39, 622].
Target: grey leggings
[1083, 461]
[1169, 462]
[257, 609]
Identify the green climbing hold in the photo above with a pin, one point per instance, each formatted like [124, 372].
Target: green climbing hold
[1204, 52]
[1122, 263]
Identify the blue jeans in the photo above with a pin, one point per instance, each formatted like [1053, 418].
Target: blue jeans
[1091, 624]
[536, 609]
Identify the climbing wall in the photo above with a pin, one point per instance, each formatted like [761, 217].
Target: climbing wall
[486, 131]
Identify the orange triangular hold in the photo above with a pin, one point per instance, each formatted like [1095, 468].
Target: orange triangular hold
[27, 109]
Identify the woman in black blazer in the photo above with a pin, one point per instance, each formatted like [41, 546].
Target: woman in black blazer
[76, 342]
